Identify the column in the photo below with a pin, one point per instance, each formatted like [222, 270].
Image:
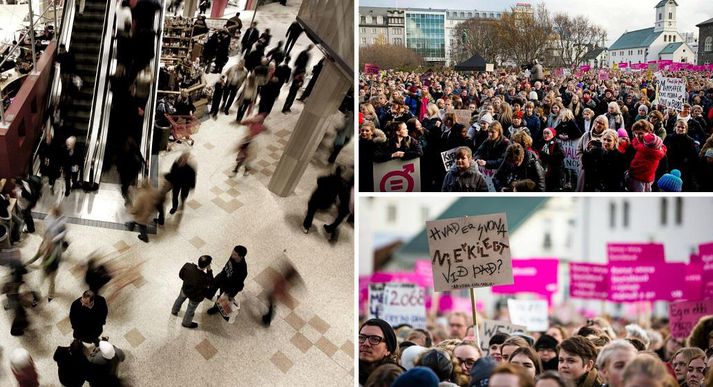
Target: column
[218, 8]
[332, 85]
[189, 8]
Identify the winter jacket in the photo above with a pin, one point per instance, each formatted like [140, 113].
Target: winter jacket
[493, 152]
[646, 160]
[195, 281]
[469, 180]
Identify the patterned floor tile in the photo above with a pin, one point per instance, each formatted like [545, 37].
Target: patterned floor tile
[134, 337]
[64, 326]
[326, 346]
[311, 334]
[281, 361]
[197, 242]
[206, 349]
[348, 348]
[295, 321]
[193, 204]
[301, 342]
[139, 282]
[320, 325]
[233, 192]
[216, 190]
[121, 246]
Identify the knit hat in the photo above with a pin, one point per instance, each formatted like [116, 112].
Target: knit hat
[533, 96]
[622, 133]
[481, 371]
[671, 182]
[107, 350]
[487, 118]
[554, 132]
[389, 335]
[517, 114]
[417, 376]
[546, 342]
[409, 355]
[652, 141]
[439, 362]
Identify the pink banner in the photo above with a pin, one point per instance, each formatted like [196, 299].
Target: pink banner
[371, 68]
[684, 316]
[603, 75]
[635, 252]
[693, 289]
[705, 252]
[538, 275]
[585, 68]
[645, 281]
[447, 303]
[639, 66]
[623, 65]
[589, 280]
[664, 62]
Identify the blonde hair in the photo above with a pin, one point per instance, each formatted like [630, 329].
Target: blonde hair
[649, 366]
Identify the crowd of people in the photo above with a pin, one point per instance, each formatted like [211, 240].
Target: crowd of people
[522, 131]
[599, 352]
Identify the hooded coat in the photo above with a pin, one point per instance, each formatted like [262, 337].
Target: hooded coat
[470, 180]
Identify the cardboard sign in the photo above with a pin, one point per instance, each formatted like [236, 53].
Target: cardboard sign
[463, 116]
[684, 315]
[589, 281]
[404, 304]
[569, 148]
[532, 276]
[488, 329]
[398, 176]
[635, 252]
[469, 252]
[637, 281]
[672, 92]
[371, 68]
[449, 158]
[376, 301]
[530, 313]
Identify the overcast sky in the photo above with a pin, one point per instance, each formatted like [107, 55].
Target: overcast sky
[616, 16]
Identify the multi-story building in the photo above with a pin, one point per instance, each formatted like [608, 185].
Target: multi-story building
[457, 16]
[705, 36]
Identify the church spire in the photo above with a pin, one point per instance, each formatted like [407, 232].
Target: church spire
[666, 16]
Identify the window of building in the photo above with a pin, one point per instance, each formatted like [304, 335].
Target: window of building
[709, 44]
[670, 15]
[679, 211]
[398, 42]
[665, 38]
[373, 30]
[363, 30]
[626, 214]
[664, 211]
[363, 41]
[660, 16]
[674, 38]
[363, 20]
[391, 213]
[612, 214]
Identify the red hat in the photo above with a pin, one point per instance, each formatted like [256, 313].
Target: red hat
[518, 114]
[652, 141]
[554, 132]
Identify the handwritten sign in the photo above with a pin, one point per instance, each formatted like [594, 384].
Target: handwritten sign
[636, 252]
[569, 148]
[376, 301]
[684, 315]
[469, 252]
[672, 92]
[530, 313]
[404, 304]
[449, 158]
[589, 281]
[489, 328]
[398, 176]
[463, 116]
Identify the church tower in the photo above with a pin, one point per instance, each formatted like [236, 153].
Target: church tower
[666, 16]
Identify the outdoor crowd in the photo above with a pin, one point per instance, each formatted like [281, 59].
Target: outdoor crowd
[599, 352]
[532, 132]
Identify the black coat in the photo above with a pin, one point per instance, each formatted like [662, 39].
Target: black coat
[232, 278]
[196, 282]
[493, 152]
[251, 36]
[182, 176]
[509, 173]
[88, 324]
[72, 368]
[682, 155]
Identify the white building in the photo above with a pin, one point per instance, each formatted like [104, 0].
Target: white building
[457, 16]
[597, 57]
[663, 41]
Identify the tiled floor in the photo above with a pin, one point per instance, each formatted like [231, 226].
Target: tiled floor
[309, 343]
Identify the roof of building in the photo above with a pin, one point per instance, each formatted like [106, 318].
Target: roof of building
[517, 212]
[671, 48]
[373, 10]
[635, 39]
[594, 53]
[663, 2]
[709, 21]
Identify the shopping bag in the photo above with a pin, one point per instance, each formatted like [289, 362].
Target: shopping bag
[229, 308]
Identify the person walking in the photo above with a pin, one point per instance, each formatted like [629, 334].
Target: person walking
[88, 315]
[249, 38]
[51, 248]
[328, 188]
[231, 279]
[104, 361]
[197, 280]
[293, 32]
[218, 91]
[143, 209]
[235, 76]
[72, 364]
[182, 177]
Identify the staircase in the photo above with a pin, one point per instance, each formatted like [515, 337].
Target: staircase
[85, 45]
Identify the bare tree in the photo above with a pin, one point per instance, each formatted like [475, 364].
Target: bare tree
[389, 56]
[525, 36]
[576, 35]
[477, 36]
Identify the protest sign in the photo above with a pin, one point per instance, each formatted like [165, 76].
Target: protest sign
[449, 158]
[623, 65]
[705, 253]
[530, 313]
[589, 281]
[488, 329]
[404, 303]
[469, 252]
[585, 68]
[532, 276]
[672, 92]
[489, 67]
[645, 281]
[569, 148]
[448, 302]
[693, 289]
[463, 117]
[684, 315]
[371, 68]
[398, 176]
[604, 74]
[635, 252]
[376, 301]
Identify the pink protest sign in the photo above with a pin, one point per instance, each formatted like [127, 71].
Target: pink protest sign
[685, 314]
[705, 252]
[537, 275]
[623, 65]
[603, 75]
[448, 302]
[693, 289]
[371, 68]
[589, 280]
[635, 252]
[645, 281]
[424, 270]
[585, 68]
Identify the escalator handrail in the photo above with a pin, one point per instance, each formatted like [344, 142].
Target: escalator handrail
[97, 114]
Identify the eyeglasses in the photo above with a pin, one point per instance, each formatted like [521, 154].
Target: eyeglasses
[468, 362]
[373, 339]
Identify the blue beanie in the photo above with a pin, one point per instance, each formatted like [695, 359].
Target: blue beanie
[671, 182]
[481, 371]
[417, 376]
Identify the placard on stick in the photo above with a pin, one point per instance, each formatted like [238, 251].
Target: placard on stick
[685, 314]
[490, 327]
[469, 252]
